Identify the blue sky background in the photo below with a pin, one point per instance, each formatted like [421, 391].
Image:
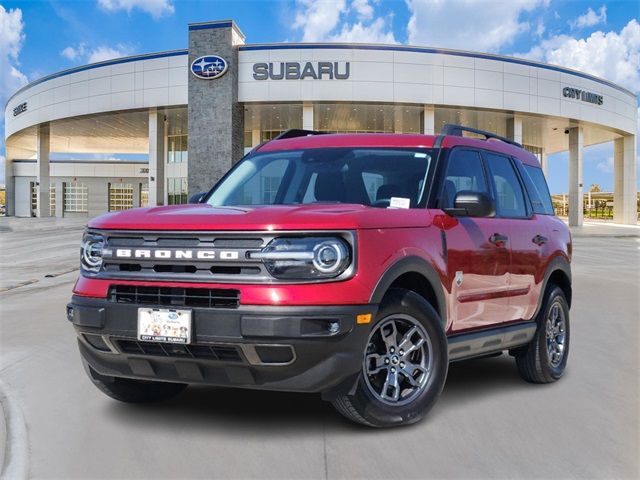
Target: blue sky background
[41, 37]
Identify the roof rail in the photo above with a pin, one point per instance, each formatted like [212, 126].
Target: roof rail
[297, 132]
[456, 130]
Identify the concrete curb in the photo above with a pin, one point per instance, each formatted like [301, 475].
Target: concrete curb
[14, 441]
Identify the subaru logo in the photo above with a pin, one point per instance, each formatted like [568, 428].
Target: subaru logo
[209, 67]
[173, 316]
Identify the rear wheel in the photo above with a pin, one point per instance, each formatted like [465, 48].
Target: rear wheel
[134, 391]
[404, 366]
[545, 358]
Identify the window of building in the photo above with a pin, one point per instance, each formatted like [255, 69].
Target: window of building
[464, 172]
[367, 118]
[52, 200]
[144, 194]
[177, 148]
[176, 191]
[120, 196]
[509, 194]
[76, 197]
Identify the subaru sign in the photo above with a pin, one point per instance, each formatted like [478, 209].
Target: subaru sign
[209, 67]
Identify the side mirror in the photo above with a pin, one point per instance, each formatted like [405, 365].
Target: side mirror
[197, 197]
[472, 204]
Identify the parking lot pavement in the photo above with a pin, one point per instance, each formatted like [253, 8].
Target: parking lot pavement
[488, 422]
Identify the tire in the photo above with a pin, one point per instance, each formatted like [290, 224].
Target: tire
[380, 402]
[133, 391]
[544, 359]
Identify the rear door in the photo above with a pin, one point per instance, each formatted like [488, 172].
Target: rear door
[526, 234]
[478, 255]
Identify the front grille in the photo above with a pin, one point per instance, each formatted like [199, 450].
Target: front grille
[175, 296]
[224, 353]
[235, 267]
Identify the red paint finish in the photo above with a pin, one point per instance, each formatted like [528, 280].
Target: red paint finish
[483, 283]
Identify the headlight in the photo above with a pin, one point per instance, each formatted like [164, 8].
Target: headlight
[91, 252]
[305, 258]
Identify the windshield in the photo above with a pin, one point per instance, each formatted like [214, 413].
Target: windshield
[367, 176]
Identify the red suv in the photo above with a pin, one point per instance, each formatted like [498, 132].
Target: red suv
[357, 266]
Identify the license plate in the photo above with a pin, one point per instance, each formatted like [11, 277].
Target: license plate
[164, 325]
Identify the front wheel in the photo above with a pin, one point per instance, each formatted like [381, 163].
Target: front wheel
[404, 367]
[545, 358]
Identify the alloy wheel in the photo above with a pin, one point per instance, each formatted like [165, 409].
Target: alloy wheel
[398, 360]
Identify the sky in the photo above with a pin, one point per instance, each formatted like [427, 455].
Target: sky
[602, 38]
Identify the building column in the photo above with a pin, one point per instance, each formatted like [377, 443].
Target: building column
[255, 137]
[625, 192]
[544, 162]
[157, 180]
[43, 177]
[429, 120]
[59, 198]
[9, 184]
[514, 129]
[136, 193]
[576, 144]
[307, 116]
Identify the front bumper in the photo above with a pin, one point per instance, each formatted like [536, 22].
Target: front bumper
[294, 348]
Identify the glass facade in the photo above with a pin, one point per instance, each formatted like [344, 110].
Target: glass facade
[120, 196]
[176, 191]
[144, 194]
[177, 151]
[76, 197]
[367, 118]
[52, 199]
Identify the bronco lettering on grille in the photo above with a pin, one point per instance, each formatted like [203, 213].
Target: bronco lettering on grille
[168, 254]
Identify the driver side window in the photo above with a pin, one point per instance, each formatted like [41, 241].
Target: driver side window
[464, 172]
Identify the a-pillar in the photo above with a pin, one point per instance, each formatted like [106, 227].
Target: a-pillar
[514, 129]
[429, 120]
[576, 147]
[43, 171]
[157, 179]
[307, 116]
[625, 191]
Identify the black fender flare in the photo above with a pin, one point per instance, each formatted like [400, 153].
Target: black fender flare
[412, 264]
[558, 263]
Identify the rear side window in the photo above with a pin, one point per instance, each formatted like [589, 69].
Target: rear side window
[538, 190]
[509, 194]
[464, 172]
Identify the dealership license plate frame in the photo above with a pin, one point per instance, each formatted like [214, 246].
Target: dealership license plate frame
[166, 320]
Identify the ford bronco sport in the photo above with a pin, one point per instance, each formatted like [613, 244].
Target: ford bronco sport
[357, 266]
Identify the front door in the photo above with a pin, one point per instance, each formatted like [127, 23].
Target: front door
[478, 250]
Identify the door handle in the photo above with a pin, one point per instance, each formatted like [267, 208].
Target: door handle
[498, 240]
[539, 240]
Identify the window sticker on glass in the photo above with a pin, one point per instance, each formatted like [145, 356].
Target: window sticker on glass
[419, 155]
[399, 202]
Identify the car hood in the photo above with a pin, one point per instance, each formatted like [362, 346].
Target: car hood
[278, 217]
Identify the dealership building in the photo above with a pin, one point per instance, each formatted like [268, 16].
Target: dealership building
[178, 120]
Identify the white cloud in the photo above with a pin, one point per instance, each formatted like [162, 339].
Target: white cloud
[484, 25]
[81, 53]
[375, 32]
[590, 18]
[102, 53]
[156, 8]
[73, 53]
[11, 39]
[321, 20]
[317, 19]
[611, 55]
[363, 9]
[606, 166]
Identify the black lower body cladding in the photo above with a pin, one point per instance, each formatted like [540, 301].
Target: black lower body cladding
[293, 348]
